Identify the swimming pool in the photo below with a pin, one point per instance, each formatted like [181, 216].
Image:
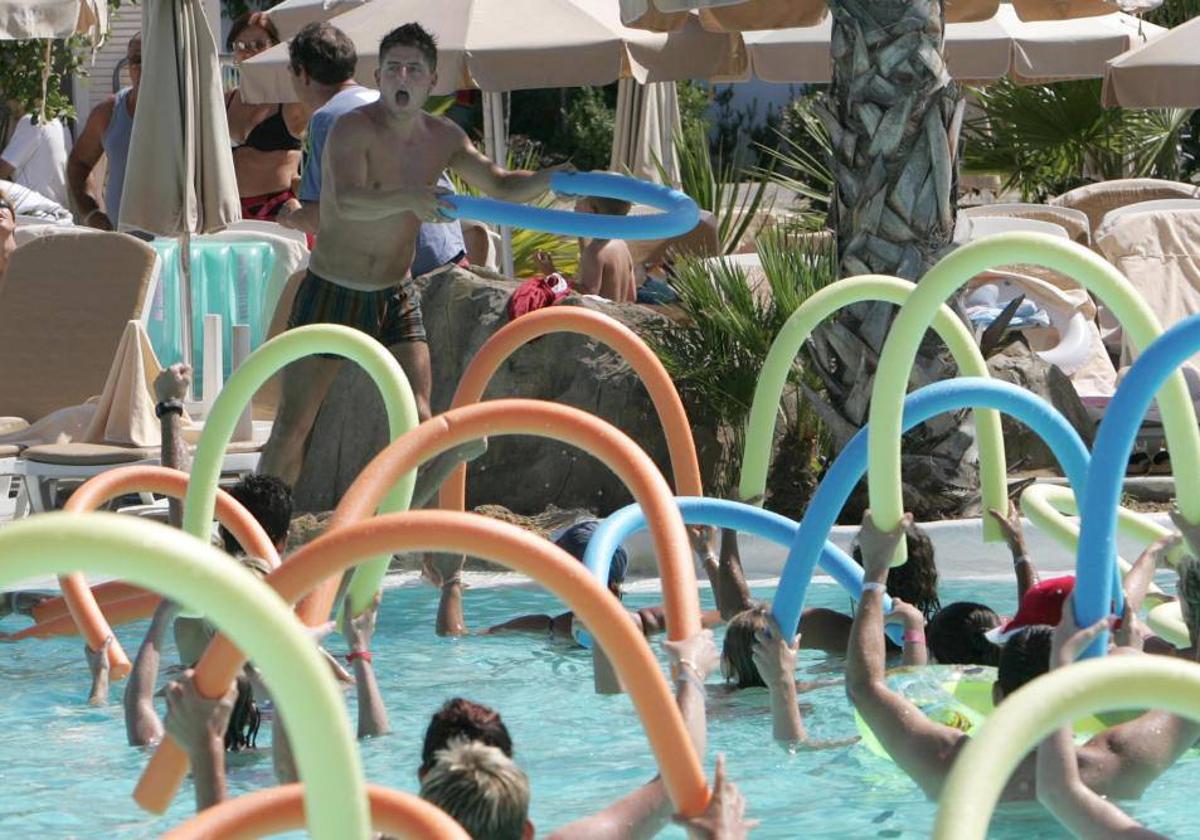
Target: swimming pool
[66, 771]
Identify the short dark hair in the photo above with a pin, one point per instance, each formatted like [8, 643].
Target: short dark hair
[611, 206]
[324, 52]
[956, 634]
[1024, 657]
[268, 500]
[575, 541]
[460, 718]
[247, 19]
[411, 35]
[916, 582]
[737, 651]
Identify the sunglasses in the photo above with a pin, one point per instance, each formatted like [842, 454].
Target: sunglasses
[250, 46]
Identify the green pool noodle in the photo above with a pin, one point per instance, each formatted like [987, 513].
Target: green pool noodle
[760, 428]
[950, 274]
[255, 618]
[260, 366]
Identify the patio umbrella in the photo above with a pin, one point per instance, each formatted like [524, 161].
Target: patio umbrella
[516, 45]
[184, 181]
[1001, 46]
[747, 15]
[21, 19]
[1165, 73]
[291, 16]
[646, 124]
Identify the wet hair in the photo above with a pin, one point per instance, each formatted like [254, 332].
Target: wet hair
[1024, 657]
[916, 582]
[575, 541]
[610, 206]
[324, 52]
[268, 500]
[411, 35]
[247, 19]
[244, 721]
[737, 652]
[460, 718]
[1189, 593]
[481, 788]
[956, 634]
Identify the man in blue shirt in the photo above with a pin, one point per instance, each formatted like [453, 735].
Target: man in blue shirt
[323, 61]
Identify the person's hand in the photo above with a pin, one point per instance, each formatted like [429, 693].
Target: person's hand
[698, 653]
[725, 817]
[173, 383]
[544, 263]
[358, 630]
[1163, 546]
[1010, 527]
[906, 614]
[1068, 641]
[878, 546]
[704, 542]
[286, 210]
[774, 655]
[194, 721]
[97, 661]
[430, 205]
[1190, 532]
[442, 570]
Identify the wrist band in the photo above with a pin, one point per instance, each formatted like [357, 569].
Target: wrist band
[1019, 559]
[914, 636]
[874, 586]
[687, 671]
[168, 407]
[364, 655]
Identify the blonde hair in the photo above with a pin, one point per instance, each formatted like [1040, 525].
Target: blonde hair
[481, 788]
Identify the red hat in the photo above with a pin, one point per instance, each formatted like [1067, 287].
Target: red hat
[1042, 604]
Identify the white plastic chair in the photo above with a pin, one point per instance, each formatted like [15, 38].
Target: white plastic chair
[969, 228]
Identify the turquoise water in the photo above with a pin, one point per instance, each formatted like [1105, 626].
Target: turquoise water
[65, 770]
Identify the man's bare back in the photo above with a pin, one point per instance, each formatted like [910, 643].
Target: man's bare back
[368, 150]
[609, 262]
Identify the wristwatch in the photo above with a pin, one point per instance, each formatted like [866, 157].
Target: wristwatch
[167, 407]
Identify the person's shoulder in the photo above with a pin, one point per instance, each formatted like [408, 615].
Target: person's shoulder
[443, 128]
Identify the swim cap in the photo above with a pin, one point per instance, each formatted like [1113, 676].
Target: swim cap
[575, 541]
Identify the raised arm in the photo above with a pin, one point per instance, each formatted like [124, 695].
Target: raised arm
[171, 389]
[198, 724]
[775, 658]
[1136, 582]
[924, 749]
[733, 591]
[1014, 537]
[86, 153]
[517, 185]
[1059, 785]
[372, 716]
[916, 652]
[142, 724]
[98, 664]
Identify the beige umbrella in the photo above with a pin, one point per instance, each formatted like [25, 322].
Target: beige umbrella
[646, 124]
[1164, 73]
[291, 16]
[518, 44]
[1002, 46]
[184, 181]
[20, 19]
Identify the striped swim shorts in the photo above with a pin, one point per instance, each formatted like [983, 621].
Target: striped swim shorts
[391, 316]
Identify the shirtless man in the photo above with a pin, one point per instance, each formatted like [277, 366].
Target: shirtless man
[605, 265]
[1120, 762]
[380, 167]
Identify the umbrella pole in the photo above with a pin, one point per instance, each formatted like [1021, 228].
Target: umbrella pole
[495, 143]
[185, 308]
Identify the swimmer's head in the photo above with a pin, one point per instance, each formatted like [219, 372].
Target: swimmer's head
[916, 582]
[482, 789]
[956, 635]
[602, 206]
[737, 652]
[407, 68]
[269, 501]
[133, 59]
[1189, 594]
[320, 56]
[460, 718]
[575, 541]
[1024, 658]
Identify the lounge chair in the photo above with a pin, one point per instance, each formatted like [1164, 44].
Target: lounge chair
[1096, 200]
[1075, 222]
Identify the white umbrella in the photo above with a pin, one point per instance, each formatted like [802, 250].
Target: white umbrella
[291, 16]
[20, 19]
[1002, 46]
[646, 124]
[1165, 73]
[184, 181]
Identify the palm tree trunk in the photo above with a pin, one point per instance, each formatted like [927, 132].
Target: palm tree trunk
[893, 116]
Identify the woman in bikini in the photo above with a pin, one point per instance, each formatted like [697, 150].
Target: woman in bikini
[266, 138]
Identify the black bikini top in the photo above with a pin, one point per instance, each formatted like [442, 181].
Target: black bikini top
[271, 135]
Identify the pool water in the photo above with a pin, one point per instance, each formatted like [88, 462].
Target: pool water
[66, 771]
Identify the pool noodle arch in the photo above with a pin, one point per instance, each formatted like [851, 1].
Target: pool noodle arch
[680, 212]
[570, 425]
[200, 576]
[984, 766]
[950, 273]
[260, 366]
[469, 533]
[1158, 362]
[721, 513]
[760, 427]
[645, 363]
[278, 809]
[81, 605]
[848, 468]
